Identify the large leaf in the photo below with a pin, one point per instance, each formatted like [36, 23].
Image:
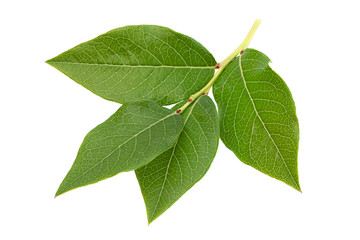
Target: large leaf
[257, 117]
[165, 179]
[136, 63]
[129, 139]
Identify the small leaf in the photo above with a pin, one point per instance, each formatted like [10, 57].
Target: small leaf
[136, 63]
[129, 139]
[165, 179]
[257, 117]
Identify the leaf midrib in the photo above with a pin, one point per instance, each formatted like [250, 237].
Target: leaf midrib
[263, 124]
[135, 66]
[102, 160]
[171, 157]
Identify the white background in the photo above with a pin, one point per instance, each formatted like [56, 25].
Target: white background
[314, 46]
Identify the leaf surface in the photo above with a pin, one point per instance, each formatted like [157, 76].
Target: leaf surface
[136, 63]
[165, 179]
[257, 117]
[129, 139]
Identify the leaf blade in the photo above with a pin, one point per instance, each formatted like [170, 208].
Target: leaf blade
[128, 64]
[258, 117]
[130, 138]
[166, 178]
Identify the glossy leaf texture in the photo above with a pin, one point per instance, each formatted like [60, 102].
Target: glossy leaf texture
[165, 179]
[257, 117]
[135, 63]
[129, 139]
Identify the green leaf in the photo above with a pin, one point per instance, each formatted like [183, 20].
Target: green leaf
[165, 179]
[129, 139]
[137, 63]
[257, 117]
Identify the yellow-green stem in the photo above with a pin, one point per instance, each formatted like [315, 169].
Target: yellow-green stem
[222, 65]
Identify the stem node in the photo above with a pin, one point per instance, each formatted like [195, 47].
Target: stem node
[221, 66]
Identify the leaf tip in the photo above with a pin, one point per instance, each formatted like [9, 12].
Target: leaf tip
[151, 218]
[56, 195]
[59, 192]
[297, 187]
[48, 61]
